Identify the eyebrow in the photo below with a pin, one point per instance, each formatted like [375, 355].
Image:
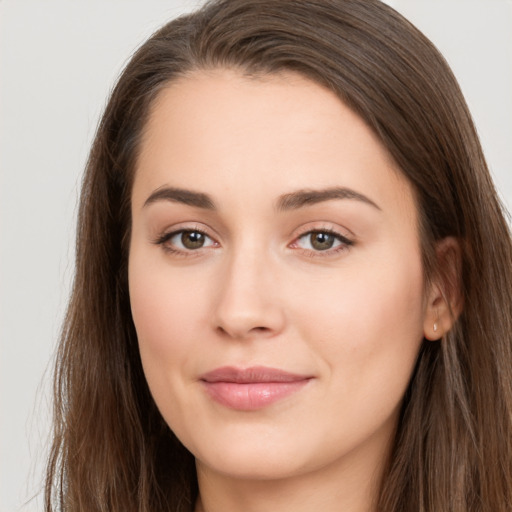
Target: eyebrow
[291, 201]
[308, 197]
[180, 195]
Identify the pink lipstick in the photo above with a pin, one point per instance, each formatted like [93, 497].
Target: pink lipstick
[252, 388]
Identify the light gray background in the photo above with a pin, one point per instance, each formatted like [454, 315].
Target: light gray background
[58, 60]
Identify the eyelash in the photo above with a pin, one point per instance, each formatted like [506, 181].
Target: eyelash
[165, 237]
[344, 245]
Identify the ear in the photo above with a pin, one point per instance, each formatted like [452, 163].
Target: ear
[444, 297]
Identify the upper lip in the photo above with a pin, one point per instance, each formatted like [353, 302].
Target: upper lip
[250, 375]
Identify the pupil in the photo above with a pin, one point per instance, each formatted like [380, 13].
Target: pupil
[192, 239]
[322, 241]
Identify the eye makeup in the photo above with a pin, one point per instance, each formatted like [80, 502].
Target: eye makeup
[318, 242]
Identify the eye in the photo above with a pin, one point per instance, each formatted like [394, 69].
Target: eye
[186, 240]
[189, 239]
[322, 241]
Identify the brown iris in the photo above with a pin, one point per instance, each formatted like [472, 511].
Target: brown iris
[192, 239]
[321, 241]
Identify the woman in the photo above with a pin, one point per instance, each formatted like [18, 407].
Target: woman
[293, 285]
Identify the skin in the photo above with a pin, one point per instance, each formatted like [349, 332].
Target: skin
[351, 318]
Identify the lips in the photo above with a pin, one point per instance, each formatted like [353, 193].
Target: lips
[252, 388]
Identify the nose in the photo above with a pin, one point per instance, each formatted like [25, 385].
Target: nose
[248, 301]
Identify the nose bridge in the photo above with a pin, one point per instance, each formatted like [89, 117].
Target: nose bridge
[247, 303]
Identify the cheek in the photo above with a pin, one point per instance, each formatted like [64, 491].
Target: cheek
[368, 325]
[155, 320]
[165, 314]
[165, 311]
[164, 301]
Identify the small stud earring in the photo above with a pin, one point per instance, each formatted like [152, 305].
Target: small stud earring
[435, 326]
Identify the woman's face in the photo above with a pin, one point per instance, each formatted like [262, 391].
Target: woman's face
[275, 276]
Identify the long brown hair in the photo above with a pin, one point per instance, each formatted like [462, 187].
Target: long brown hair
[112, 451]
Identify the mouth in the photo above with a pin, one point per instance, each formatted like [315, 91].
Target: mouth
[252, 388]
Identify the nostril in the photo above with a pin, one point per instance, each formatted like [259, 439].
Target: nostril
[221, 330]
[242, 333]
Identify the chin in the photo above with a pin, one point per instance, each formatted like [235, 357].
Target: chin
[253, 466]
[262, 456]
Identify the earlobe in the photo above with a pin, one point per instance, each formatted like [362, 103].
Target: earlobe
[438, 317]
[444, 301]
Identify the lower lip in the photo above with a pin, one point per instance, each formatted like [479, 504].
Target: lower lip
[253, 395]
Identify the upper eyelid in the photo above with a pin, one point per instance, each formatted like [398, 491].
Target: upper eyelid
[342, 238]
[181, 227]
[172, 233]
[324, 227]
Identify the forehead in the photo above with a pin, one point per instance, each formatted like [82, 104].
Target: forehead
[221, 131]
